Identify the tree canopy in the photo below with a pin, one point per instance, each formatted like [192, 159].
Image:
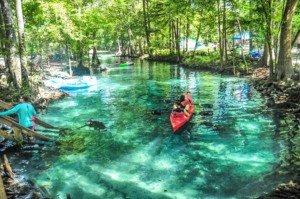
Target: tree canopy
[58, 29]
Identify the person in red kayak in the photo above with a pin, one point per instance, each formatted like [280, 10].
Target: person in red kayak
[183, 104]
[177, 107]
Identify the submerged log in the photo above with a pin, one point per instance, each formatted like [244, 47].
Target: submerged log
[7, 136]
[8, 168]
[15, 135]
[14, 186]
[2, 190]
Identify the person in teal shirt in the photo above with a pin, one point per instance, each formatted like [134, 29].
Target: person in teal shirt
[26, 112]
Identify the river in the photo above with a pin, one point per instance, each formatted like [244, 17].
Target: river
[234, 153]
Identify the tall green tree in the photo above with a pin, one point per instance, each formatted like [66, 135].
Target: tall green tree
[284, 68]
[21, 37]
[267, 8]
[147, 24]
[12, 58]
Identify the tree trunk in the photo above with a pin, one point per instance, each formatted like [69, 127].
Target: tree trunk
[147, 25]
[251, 11]
[123, 46]
[265, 60]
[268, 54]
[69, 58]
[48, 52]
[220, 35]
[284, 68]
[80, 56]
[187, 36]
[95, 59]
[188, 21]
[295, 38]
[141, 46]
[177, 40]
[2, 33]
[60, 55]
[21, 37]
[198, 34]
[171, 36]
[119, 53]
[13, 59]
[132, 52]
[225, 50]
[197, 39]
[240, 30]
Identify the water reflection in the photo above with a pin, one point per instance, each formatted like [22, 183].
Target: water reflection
[222, 155]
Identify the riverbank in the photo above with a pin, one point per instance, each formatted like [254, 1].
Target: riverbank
[14, 184]
[283, 98]
[41, 95]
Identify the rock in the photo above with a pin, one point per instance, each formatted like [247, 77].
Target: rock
[3, 81]
[289, 190]
[270, 102]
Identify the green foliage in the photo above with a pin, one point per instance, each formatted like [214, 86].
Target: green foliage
[164, 56]
[296, 21]
[94, 143]
[72, 142]
[50, 25]
[203, 58]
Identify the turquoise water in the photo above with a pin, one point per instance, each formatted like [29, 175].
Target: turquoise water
[231, 154]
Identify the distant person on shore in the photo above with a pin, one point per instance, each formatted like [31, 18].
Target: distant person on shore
[26, 113]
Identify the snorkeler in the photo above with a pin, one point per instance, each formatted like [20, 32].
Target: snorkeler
[95, 124]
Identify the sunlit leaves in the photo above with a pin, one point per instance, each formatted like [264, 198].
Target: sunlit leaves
[78, 20]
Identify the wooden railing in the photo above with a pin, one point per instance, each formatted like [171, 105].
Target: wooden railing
[18, 129]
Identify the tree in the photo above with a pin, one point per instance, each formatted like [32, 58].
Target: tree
[21, 38]
[95, 59]
[12, 58]
[147, 24]
[284, 67]
[239, 27]
[268, 13]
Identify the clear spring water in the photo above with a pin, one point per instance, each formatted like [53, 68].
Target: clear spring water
[231, 154]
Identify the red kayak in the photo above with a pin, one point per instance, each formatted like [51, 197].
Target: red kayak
[179, 119]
